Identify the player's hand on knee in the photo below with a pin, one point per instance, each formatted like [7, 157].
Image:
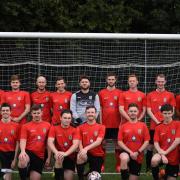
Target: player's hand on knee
[60, 155]
[83, 153]
[23, 156]
[134, 155]
[13, 164]
[164, 159]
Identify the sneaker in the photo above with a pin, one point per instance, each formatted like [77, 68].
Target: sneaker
[102, 168]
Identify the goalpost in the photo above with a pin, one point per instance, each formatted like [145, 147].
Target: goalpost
[93, 54]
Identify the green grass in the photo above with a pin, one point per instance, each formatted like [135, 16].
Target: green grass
[109, 168]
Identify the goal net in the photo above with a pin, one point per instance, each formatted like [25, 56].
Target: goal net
[72, 54]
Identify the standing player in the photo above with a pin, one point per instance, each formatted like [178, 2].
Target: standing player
[110, 116]
[18, 100]
[83, 98]
[32, 145]
[63, 140]
[42, 97]
[155, 100]
[178, 106]
[90, 148]
[133, 138]
[133, 95]
[8, 140]
[60, 100]
[166, 140]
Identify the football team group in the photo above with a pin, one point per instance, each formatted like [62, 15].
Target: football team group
[65, 131]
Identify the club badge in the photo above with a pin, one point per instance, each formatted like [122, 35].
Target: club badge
[65, 144]
[44, 130]
[139, 99]
[12, 131]
[173, 131]
[165, 100]
[133, 138]
[115, 97]
[65, 100]
[70, 137]
[19, 98]
[139, 131]
[47, 99]
[90, 97]
[5, 139]
[91, 141]
[95, 133]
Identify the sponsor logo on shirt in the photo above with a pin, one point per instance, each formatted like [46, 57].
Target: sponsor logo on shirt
[90, 97]
[115, 97]
[162, 134]
[59, 135]
[12, 131]
[165, 100]
[128, 98]
[47, 99]
[32, 130]
[84, 133]
[154, 100]
[173, 131]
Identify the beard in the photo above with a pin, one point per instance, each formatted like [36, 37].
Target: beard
[85, 88]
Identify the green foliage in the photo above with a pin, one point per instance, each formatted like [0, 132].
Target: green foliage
[138, 16]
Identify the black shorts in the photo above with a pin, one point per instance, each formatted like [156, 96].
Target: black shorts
[111, 133]
[36, 163]
[172, 170]
[151, 132]
[6, 159]
[95, 162]
[134, 167]
[69, 163]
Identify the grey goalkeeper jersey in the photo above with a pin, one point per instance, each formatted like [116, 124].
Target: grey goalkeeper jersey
[79, 102]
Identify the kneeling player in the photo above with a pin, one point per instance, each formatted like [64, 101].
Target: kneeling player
[32, 145]
[166, 140]
[9, 131]
[63, 140]
[133, 138]
[90, 148]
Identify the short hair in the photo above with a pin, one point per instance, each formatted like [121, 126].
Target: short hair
[36, 107]
[133, 75]
[59, 78]
[166, 107]
[133, 105]
[66, 111]
[83, 77]
[111, 74]
[5, 105]
[41, 76]
[91, 106]
[161, 76]
[15, 77]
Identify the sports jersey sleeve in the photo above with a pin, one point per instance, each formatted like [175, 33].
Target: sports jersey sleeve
[178, 130]
[121, 99]
[79, 132]
[97, 104]
[148, 101]
[173, 100]
[27, 98]
[144, 101]
[120, 133]
[101, 132]
[23, 133]
[76, 135]
[156, 134]
[51, 132]
[146, 133]
[73, 104]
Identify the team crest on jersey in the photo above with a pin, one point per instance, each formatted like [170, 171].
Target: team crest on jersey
[139, 99]
[19, 98]
[65, 144]
[173, 131]
[47, 99]
[65, 100]
[90, 97]
[12, 131]
[70, 137]
[134, 138]
[168, 140]
[42, 105]
[5, 139]
[44, 130]
[91, 140]
[165, 100]
[115, 97]
[95, 133]
[139, 131]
